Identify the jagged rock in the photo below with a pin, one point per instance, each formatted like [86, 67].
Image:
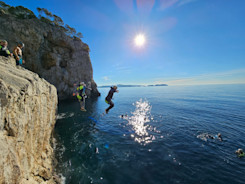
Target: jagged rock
[51, 53]
[27, 117]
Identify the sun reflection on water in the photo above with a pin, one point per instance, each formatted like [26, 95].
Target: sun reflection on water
[139, 121]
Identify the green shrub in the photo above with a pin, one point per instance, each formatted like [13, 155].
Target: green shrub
[46, 20]
[21, 12]
[4, 5]
[44, 15]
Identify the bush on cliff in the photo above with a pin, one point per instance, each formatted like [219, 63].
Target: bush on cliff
[44, 16]
[4, 5]
[48, 17]
[18, 11]
[21, 12]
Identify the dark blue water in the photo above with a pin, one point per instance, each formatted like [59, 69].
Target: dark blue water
[159, 142]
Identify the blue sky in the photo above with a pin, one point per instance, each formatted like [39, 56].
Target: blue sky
[187, 41]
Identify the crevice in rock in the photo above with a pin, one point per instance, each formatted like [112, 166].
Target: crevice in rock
[44, 179]
[7, 128]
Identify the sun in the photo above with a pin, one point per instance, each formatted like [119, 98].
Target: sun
[139, 40]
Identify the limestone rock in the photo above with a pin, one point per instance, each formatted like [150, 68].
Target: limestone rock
[27, 117]
[51, 53]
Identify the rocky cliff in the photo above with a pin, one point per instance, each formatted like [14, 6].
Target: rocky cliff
[50, 52]
[27, 118]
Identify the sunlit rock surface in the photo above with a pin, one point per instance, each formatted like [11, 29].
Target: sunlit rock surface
[27, 117]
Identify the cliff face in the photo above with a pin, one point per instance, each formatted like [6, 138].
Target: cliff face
[48, 51]
[27, 118]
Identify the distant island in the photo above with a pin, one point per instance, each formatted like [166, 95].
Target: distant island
[128, 85]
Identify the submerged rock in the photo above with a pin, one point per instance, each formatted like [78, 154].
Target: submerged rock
[27, 117]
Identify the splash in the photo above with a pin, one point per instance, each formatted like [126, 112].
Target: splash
[64, 115]
[203, 136]
[139, 121]
[206, 136]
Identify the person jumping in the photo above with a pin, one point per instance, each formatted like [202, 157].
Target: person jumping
[109, 97]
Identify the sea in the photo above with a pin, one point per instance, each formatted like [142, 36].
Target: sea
[154, 135]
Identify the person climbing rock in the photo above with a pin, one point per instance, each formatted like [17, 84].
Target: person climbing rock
[81, 94]
[18, 53]
[109, 97]
[4, 49]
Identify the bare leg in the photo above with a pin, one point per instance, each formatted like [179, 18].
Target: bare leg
[82, 104]
[111, 106]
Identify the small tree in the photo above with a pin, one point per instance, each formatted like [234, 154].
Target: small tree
[80, 35]
[58, 21]
[47, 13]
[46, 20]
[44, 15]
[48, 17]
[70, 30]
[4, 5]
[39, 10]
[21, 12]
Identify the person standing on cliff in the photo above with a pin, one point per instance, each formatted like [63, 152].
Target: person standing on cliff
[4, 49]
[81, 94]
[109, 97]
[18, 53]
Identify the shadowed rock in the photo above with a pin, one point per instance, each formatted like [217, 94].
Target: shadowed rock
[51, 53]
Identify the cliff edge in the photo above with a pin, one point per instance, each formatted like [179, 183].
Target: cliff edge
[27, 117]
[57, 57]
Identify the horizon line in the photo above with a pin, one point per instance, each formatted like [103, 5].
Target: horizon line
[177, 84]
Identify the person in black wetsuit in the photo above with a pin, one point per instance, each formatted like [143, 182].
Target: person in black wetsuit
[4, 49]
[109, 97]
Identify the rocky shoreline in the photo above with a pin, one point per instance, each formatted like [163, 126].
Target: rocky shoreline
[54, 62]
[28, 106]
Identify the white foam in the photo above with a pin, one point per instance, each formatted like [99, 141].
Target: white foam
[64, 115]
[63, 179]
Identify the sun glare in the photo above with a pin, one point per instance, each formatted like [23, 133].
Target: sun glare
[139, 40]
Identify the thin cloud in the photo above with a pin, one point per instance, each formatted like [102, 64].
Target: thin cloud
[127, 6]
[227, 77]
[106, 22]
[145, 6]
[106, 78]
[167, 3]
[166, 24]
[184, 2]
[121, 68]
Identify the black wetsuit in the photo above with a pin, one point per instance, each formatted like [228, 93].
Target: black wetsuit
[108, 99]
[4, 51]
